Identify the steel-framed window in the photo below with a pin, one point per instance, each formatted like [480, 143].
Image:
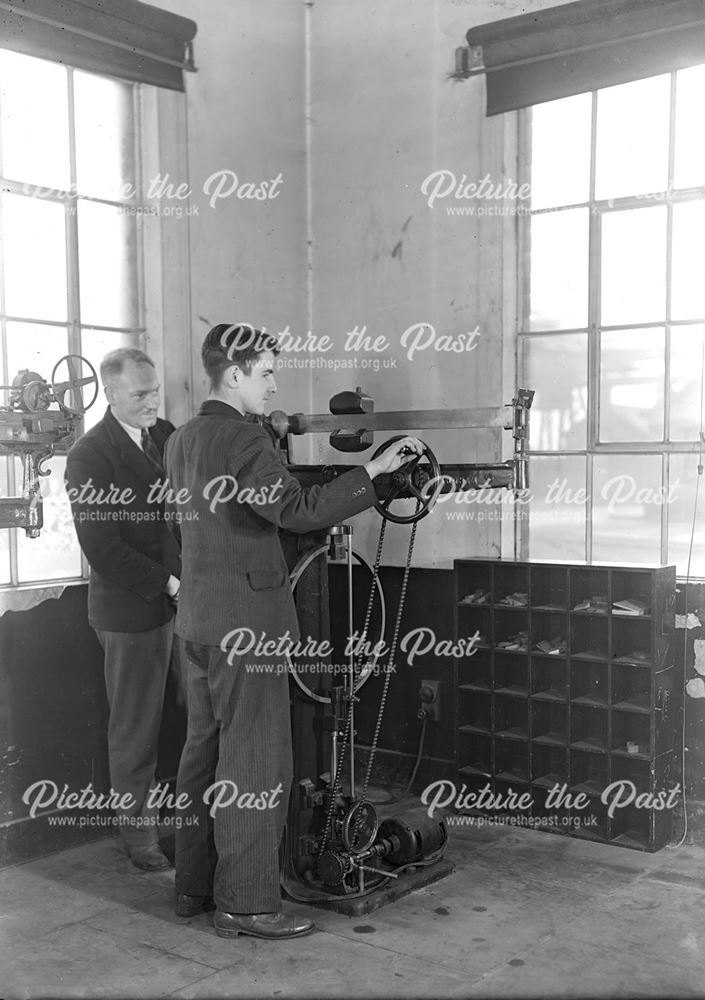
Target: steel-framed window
[88, 224]
[639, 488]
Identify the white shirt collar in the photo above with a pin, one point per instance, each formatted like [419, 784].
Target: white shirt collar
[134, 432]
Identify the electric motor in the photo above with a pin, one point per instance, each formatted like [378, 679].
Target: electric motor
[416, 833]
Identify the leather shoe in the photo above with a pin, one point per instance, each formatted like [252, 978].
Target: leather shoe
[149, 858]
[191, 906]
[261, 925]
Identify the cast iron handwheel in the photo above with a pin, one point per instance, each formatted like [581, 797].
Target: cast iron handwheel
[371, 661]
[74, 385]
[402, 479]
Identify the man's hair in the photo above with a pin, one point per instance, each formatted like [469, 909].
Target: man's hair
[230, 344]
[113, 363]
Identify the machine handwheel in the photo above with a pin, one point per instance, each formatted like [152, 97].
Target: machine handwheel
[75, 385]
[371, 661]
[411, 478]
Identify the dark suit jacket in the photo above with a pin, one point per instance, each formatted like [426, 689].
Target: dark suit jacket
[129, 547]
[234, 571]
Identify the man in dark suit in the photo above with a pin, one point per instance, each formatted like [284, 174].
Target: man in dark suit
[113, 478]
[236, 766]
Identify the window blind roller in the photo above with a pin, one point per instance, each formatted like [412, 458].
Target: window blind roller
[582, 46]
[123, 38]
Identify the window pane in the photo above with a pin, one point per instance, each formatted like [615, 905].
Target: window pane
[34, 258]
[556, 368]
[559, 270]
[557, 518]
[688, 269]
[55, 554]
[689, 166]
[681, 510]
[632, 367]
[632, 138]
[626, 513]
[34, 119]
[634, 266]
[687, 364]
[107, 265]
[95, 344]
[560, 175]
[35, 347]
[105, 151]
[4, 532]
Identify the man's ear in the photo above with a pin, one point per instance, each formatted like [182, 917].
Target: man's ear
[232, 376]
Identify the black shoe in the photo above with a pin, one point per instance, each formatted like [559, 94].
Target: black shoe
[149, 858]
[191, 906]
[261, 925]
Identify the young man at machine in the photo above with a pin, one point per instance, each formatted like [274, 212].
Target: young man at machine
[134, 558]
[236, 767]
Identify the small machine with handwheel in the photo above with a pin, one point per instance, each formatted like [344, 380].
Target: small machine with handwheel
[38, 416]
[340, 851]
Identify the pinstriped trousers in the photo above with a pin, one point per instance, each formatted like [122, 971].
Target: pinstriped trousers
[239, 734]
[136, 670]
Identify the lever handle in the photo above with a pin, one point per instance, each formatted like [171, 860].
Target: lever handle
[375, 871]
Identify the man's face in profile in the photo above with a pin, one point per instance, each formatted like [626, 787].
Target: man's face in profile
[257, 387]
[134, 395]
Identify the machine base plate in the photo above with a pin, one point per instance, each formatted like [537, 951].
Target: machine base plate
[357, 906]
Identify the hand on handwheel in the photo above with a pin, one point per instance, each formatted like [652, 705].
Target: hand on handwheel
[412, 465]
[397, 454]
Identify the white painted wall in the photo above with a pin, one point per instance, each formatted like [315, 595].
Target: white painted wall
[352, 104]
[386, 116]
[245, 113]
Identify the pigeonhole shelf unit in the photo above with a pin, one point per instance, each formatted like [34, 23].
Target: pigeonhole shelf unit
[567, 697]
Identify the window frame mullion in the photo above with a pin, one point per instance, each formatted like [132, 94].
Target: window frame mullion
[592, 430]
[666, 458]
[73, 281]
[11, 478]
[73, 288]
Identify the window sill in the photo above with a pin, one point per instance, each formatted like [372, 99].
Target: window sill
[24, 597]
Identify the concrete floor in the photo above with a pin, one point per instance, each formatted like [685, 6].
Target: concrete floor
[525, 914]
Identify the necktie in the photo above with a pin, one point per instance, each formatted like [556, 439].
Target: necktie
[151, 453]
